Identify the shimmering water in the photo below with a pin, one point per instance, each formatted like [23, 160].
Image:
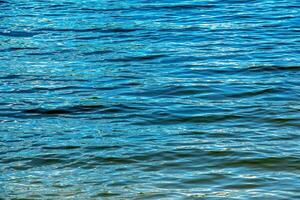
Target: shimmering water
[103, 99]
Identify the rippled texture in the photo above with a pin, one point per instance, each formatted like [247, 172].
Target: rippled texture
[103, 99]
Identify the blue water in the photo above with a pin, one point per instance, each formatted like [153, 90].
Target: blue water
[189, 99]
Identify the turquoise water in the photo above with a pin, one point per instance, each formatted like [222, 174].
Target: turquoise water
[103, 99]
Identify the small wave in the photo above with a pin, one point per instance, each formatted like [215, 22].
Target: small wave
[175, 7]
[81, 109]
[19, 34]
[271, 68]
[137, 58]
[286, 163]
[190, 119]
[95, 30]
[254, 93]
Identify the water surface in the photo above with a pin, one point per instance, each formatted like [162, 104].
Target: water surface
[103, 99]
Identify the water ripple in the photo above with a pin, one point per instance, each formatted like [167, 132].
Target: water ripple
[104, 99]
